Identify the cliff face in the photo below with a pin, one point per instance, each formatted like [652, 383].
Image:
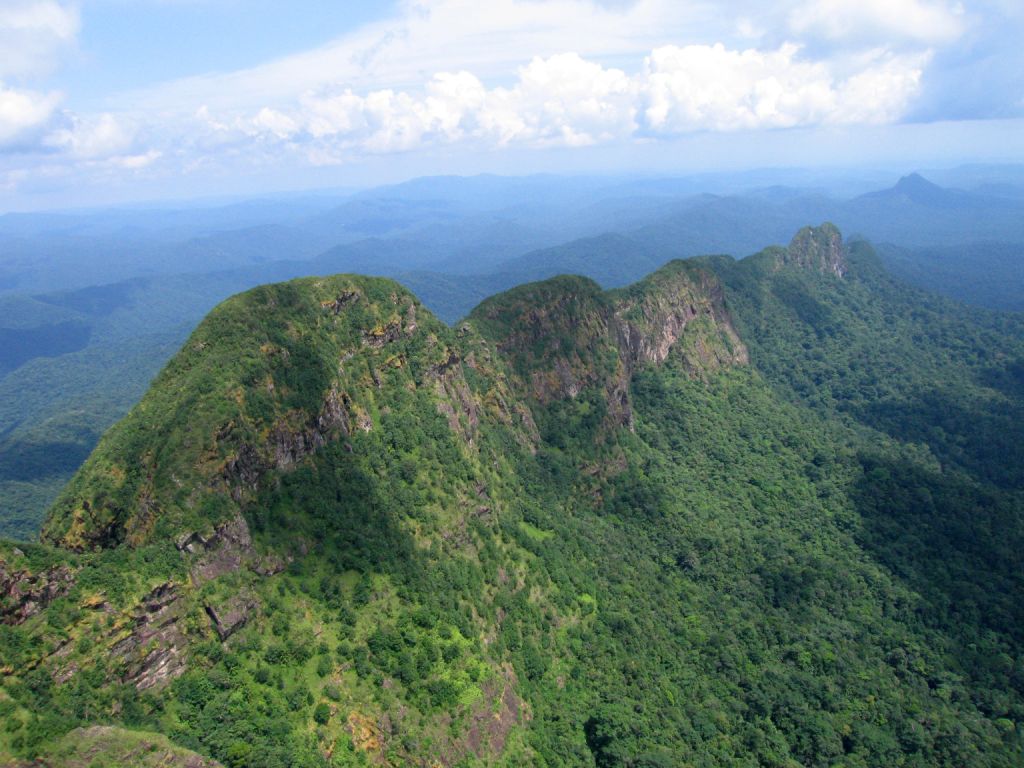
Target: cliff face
[564, 336]
[23, 593]
[680, 310]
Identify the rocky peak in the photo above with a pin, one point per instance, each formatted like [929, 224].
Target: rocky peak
[272, 379]
[817, 248]
[565, 335]
[653, 319]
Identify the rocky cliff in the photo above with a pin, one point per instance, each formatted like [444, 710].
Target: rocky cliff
[817, 248]
[564, 336]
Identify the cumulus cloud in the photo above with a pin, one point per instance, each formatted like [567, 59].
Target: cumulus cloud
[712, 88]
[438, 73]
[566, 100]
[32, 35]
[528, 73]
[23, 113]
[431, 36]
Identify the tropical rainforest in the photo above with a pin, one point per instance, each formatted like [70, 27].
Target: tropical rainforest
[757, 512]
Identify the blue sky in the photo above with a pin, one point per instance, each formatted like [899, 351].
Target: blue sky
[119, 100]
[130, 44]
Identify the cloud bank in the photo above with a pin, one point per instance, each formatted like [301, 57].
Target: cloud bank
[566, 100]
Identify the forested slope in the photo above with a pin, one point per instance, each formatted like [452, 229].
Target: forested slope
[746, 513]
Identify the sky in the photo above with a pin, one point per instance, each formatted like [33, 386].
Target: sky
[119, 100]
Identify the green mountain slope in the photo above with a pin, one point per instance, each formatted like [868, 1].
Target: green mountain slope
[701, 521]
[110, 747]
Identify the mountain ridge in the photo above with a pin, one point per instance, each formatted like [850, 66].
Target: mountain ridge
[656, 525]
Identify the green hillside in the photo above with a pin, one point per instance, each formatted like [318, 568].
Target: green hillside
[755, 513]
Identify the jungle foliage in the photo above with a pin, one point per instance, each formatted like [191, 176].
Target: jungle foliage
[810, 560]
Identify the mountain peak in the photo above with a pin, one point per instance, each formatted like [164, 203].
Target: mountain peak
[915, 184]
[819, 248]
[269, 377]
[565, 336]
[916, 189]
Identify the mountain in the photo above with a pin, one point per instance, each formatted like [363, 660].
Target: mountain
[915, 188]
[77, 356]
[759, 512]
[984, 274]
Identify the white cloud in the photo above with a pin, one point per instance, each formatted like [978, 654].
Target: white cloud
[432, 36]
[703, 87]
[929, 21]
[276, 123]
[566, 100]
[438, 73]
[32, 34]
[880, 92]
[23, 112]
[135, 162]
[92, 138]
[709, 87]
[562, 100]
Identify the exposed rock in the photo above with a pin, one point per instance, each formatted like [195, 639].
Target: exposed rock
[60, 669]
[291, 439]
[231, 615]
[227, 549]
[490, 722]
[382, 335]
[364, 422]
[224, 551]
[820, 248]
[438, 370]
[334, 413]
[153, 650]
[651, 326]
[345, 298]
[455, 399]
[366, 733]
[290, 446]
[24, 594]
[243, 472]
[410, 319]
[269, 565]
[565, 336]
